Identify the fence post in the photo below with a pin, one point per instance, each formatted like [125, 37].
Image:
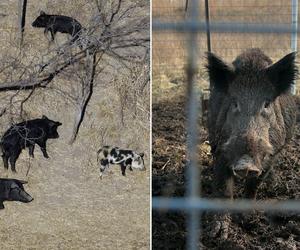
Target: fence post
[192, 176]
[294, 33]
[186, 5]
[21, 19]
[207, 25]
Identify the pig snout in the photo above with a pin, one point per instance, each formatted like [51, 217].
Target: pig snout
[245, 167]
[25, 197]
[19, 195]
[242, 151]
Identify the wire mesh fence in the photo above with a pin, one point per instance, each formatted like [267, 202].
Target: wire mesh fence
[179, 43]
[169, 47]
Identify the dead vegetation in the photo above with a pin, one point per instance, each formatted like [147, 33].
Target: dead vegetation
[247, 231]
[81, 88]
[257, 230]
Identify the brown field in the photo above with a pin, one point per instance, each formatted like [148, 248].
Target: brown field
[170, 49]
[247, 231]
[72, 207]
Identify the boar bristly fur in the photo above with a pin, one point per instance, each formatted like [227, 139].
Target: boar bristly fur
[252, 114]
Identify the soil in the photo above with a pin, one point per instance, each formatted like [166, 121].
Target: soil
[256, 230]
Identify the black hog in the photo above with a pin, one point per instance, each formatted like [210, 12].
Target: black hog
[13, 190]
[58, 23]
[27, 134]
[251, 116]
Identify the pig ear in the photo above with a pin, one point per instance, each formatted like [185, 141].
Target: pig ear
[219, 72]
[45, 117]
[23, 182]
[283, 73]
[42, 13]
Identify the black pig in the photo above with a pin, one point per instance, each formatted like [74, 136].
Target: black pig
[13, 190]
[58, 23]
[252, 115]
[27, 134]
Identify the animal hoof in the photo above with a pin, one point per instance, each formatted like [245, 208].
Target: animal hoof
[220, 227]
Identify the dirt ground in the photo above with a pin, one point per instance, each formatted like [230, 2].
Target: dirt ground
[72, 207]
[257, 230]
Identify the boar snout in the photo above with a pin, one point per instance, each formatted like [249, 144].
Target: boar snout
[244, 167]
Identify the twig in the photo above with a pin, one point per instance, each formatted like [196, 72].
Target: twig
[164, 166]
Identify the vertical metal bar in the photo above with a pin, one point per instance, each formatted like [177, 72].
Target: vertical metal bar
[186, 5]
[294, 33]
[22, 19]
[193, 182]
[207, 26]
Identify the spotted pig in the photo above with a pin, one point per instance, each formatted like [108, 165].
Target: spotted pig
[124, 157]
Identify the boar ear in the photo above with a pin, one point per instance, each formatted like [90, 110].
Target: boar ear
[219, 72]
[42, 13]
[45, 117]
[283, 73]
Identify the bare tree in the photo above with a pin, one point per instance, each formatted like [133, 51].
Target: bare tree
[117, 37]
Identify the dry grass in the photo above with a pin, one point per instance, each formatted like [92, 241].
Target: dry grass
[170, 49]
[73, 209]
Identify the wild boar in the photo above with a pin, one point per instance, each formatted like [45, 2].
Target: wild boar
[251, 116]
[123, 157]
[27, 134]
[58, 23]
[13, 190]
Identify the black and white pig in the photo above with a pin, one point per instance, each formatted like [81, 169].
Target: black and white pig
[27, 134]
[125, 158]
[58, 23]
[13, 190]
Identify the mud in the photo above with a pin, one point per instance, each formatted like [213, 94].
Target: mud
[256, 230]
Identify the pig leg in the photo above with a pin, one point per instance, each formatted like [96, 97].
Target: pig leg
[251, 186]
[224, 183]
[43, 149]
[5, 161]
[123, 168]
[103, 165]
[224, 189]
[46, 35]
[52, 35]
[1, 205]
[5, 157]
[31, 150]
[13, 158]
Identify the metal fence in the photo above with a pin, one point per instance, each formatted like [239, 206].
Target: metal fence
[191, 25]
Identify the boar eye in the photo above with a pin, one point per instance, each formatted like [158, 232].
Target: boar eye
[235, 105]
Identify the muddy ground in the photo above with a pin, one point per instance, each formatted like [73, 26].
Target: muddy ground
[258, 230]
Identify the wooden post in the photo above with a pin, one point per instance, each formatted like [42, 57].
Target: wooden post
[22, 17]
